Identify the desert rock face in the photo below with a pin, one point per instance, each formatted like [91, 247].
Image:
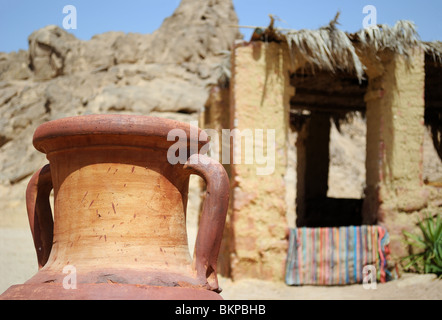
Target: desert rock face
[167, 73]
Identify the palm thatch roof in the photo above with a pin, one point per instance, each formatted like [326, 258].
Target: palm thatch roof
[327, 48]
[331, 49]
[434, 49]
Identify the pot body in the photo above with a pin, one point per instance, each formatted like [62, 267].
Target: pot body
[120, 214]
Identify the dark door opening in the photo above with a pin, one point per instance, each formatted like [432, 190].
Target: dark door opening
[322, 99]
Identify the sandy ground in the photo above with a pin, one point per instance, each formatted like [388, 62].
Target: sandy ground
[408, 287]
[18, 263]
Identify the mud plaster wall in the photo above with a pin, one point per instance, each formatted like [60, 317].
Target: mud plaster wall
[260, 100]
[395, 132]
[254, 244]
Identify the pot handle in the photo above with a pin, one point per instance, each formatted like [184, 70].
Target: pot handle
[40, 213]
[213, 217]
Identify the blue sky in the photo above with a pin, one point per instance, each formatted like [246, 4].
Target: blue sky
[18, 18]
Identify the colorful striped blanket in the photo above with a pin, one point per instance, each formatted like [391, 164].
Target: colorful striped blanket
[337, 256]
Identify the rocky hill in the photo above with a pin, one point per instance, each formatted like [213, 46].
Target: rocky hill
[167, 73]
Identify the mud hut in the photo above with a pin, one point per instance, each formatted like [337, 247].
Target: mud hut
[297, 83]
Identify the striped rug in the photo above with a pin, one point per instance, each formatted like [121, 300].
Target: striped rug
[337, 256]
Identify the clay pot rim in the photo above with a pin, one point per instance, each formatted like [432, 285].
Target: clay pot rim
[113, 125]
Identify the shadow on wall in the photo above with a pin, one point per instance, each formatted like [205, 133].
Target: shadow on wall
[433, 107]
[332, 212]
[433, 120]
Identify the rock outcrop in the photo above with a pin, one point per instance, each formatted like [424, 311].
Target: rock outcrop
[167, 73]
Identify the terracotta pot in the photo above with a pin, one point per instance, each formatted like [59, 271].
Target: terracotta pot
[120, 212]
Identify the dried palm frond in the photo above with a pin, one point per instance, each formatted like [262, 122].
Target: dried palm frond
[329, 48]
[224, 69]
[340, 118]
[326, 48]
[402, 38]
[434, 49]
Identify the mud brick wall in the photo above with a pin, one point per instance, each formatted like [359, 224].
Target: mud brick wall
[395, 131]
[260, 93]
